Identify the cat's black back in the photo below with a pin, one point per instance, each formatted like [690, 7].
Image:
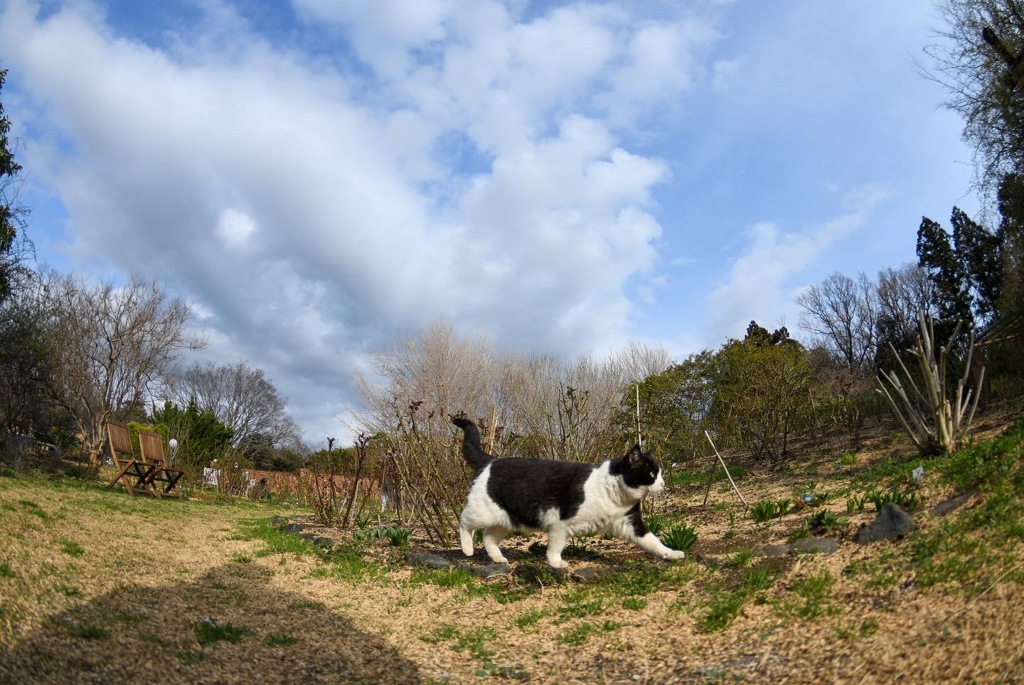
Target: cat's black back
[527, 488]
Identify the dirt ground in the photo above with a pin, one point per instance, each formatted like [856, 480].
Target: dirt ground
[98, 587]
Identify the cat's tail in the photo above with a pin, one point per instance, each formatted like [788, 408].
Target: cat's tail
[472, 452]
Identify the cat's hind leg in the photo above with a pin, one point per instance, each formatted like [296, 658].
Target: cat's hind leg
[492, 536]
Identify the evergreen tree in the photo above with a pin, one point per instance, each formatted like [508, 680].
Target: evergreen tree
[981, 255]
[201, 437]
[937, 256]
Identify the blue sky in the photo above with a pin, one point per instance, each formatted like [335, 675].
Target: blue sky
[320, 177]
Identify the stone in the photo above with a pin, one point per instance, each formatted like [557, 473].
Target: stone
[488, 571]
[773, 551]
[943, 508]
[816, 545]
[427, 560]
[320, 542]
[892, 522]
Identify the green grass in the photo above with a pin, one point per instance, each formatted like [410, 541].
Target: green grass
[809, 597]
[579, 603]
[208, 632]
[529, 618]
[70, 547]
[275, 540]
[722, 606]
[280, 640]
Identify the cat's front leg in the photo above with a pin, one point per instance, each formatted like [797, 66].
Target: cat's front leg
[466, 537]
[631, 527]
[557, 538]
[492, 536]
[650, 543]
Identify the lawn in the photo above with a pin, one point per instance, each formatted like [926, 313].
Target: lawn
[99, 587]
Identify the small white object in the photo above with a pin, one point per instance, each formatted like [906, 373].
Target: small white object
[918, 474]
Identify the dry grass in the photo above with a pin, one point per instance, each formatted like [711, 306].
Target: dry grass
[97, 587]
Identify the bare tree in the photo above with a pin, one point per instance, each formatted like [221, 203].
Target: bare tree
[109, 346]
[979, 58]
[439, 372]
[567, 408]
[843, 313]
[241, 397]
[902, 293]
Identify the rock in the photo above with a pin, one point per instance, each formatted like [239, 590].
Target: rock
[892, 522]
[489, 571]
[294, 528]
[278, 521]
[427, 560]
[773, 551]
[320, 542]
[943, 508]
[816, 545]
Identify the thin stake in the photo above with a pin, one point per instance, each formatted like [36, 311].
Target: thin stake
[722, 462]
[490, 436]
[639, 437]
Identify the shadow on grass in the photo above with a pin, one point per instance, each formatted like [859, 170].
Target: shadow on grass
[228, 627]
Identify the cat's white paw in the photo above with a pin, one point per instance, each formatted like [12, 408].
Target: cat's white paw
[558, 563]
[674, 554]
[499, 559]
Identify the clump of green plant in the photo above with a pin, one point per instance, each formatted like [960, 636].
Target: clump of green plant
[680, 537]
[396, 536]
[823, 522]
[655, 523]
[856, 503]
[740, 559]
[769, 509]
[908, 499]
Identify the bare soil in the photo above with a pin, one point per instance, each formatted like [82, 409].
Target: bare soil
[99, 587]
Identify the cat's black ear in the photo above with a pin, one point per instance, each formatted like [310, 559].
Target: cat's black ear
[636, 457]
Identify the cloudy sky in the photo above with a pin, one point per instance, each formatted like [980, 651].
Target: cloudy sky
[321, 176]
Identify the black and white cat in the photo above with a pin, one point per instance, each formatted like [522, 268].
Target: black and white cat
[562, 498]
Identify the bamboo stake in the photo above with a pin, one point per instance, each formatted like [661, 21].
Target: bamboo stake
[728, 475]
[639, 436]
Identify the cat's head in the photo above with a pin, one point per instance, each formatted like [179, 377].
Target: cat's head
[639, 472]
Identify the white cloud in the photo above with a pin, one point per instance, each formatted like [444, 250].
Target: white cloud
[357, 221]
[760, 285]
[235, 228]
